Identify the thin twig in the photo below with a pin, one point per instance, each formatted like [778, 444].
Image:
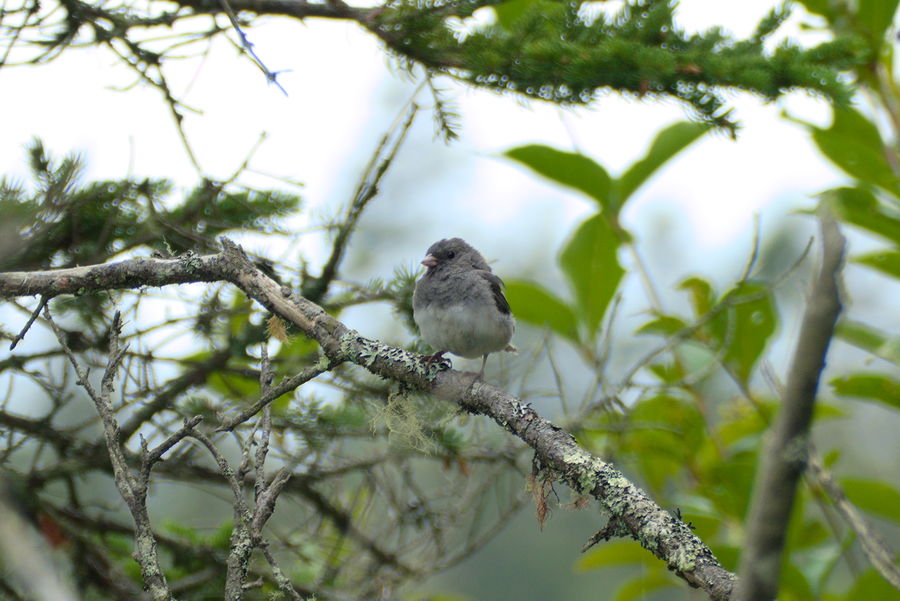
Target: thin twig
[875, 548]
[271, 76]
[34, 315]
[132, 489]
[379, 163]
[274, 393]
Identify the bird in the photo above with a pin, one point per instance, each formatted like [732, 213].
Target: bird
[459, 305]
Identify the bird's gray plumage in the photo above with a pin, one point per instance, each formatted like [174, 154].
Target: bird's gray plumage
[459, 304]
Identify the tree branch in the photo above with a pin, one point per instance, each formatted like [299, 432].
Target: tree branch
[656, 529]
[787, 452]
[878, 552]
[132, 489]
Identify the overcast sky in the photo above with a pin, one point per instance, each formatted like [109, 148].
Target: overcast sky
[341, 95]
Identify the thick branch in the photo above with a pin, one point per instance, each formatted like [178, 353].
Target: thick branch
[667, 537]
[787, 452]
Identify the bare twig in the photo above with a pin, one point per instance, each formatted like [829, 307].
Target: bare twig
[271, 76]
[879, 554]
[380, 162]
[787, 451]
[272, 393]
[34, 315]
[132, 489]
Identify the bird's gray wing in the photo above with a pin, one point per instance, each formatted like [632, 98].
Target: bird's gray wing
[497, 290]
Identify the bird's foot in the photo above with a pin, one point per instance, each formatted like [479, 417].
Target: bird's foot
[442, 363]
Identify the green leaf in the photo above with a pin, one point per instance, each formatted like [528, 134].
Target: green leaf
[743, 424]
[729, 483]
[876, 387]
[616, 553]
[823, 411]
[854, 144]
[567, 168]
[871, 585]
[590, 263]
[873, 496]
[645, 584]
[793, 583]
[746, 327]
[820, 7]
[534, 304]
[875, 16]
[887, 261]
[664, 435]
[861, 208]
[666, 325]
[701, 295]
[233, 386]
[867, 338]
[667, 144]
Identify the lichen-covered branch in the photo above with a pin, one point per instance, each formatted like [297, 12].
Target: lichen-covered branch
[656, 529]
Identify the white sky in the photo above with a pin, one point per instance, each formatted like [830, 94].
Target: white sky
[336, 83]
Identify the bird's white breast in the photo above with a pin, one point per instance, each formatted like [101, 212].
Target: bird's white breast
[467, 330]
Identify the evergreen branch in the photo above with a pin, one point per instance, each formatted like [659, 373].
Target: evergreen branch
[550, 51]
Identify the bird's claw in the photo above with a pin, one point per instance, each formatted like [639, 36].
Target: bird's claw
[438, 359]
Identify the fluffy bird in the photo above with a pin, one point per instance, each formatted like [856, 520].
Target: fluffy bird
[459, 304]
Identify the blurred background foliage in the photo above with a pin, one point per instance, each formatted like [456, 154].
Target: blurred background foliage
[675, 386]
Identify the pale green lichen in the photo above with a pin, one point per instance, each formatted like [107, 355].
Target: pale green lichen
[683, 559]
[348, 344]
[576, 459]
[323, 363]
[650, 534]
[365, 351]
[190, 261]
[587, 480]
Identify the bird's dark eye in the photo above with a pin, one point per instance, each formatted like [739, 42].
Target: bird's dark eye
[451, 254]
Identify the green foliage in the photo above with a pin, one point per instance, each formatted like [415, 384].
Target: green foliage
[875, 387]
[699, 447]
[589, 259]
[861, 207]
[869, 585]
[745, 327]
[590, 263]
[887, 262]
[664, 147]
[614, 553]
[563, 52]
[871, 340]
[854, 144]
[695, 448]
[536, 305]
[57, 221]
[568, 169]
[874, 496]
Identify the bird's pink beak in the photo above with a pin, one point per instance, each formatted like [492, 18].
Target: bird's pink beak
[430, 261]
